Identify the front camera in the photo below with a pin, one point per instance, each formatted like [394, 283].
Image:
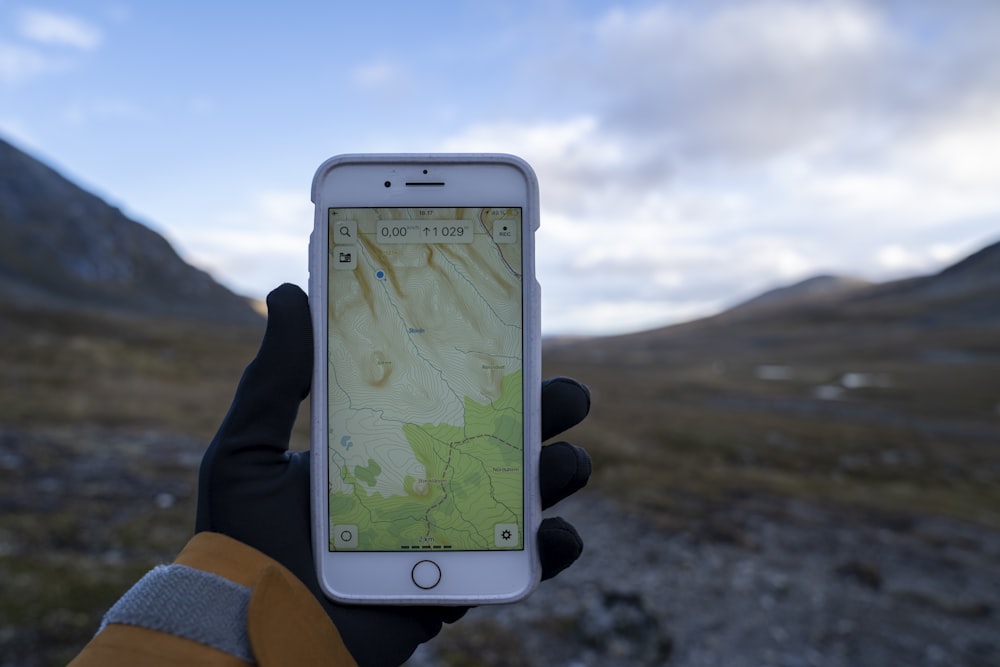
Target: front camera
[388, 184]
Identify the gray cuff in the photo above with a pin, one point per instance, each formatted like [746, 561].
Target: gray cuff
[189, 603]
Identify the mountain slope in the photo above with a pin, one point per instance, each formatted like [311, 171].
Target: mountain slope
[965, 293]
[885, 398]
[924, 346]
[63, 246]
[810, 289]
[961, 300]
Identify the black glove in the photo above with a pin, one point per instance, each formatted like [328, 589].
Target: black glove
[254, 490]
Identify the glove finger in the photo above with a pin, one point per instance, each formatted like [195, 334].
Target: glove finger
[563, 469]
[565, 403]
[452, 614]
[267, 399]
[559, 545]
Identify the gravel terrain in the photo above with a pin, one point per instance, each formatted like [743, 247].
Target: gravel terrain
[785, 584]
[760, 581]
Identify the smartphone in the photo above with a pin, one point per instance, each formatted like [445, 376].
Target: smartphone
[426, 388]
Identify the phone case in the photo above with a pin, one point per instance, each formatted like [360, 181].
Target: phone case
[416, 177]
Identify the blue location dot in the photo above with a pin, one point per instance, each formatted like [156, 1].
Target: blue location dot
[380, 274]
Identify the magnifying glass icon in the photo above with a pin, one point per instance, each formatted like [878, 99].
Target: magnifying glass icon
[344, 231]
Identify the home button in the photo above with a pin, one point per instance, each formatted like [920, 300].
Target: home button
[426, 574]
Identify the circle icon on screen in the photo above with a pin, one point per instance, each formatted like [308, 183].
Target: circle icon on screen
[345, 536]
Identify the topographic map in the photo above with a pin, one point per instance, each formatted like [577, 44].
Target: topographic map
[425, 379]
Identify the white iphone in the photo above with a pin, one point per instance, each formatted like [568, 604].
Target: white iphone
[426, 390]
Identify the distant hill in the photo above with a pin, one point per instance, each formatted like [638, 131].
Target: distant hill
[64, 247]
[957, 307]
[967, 292]
[885, 395]
[811, 289]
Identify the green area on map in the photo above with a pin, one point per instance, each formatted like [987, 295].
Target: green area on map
[473, 482]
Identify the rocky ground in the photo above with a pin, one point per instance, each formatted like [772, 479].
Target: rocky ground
[84, 512]
[756, 580]
[762, 582]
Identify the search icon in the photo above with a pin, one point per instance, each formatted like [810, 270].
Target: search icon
[345, 231]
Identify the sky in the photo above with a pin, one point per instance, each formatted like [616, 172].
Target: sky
[690, 153]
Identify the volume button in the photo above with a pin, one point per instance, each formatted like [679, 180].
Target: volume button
[309, 263]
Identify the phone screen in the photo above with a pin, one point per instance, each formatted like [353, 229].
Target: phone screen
[425, 391]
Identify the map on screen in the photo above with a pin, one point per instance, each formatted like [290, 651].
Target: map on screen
[425, 397]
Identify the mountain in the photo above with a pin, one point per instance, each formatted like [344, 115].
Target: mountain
[883, 396]
[64, 247]
[811, 289]
[965, 293]
[932, 340]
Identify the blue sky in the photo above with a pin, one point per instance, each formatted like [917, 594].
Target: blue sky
[690, 154]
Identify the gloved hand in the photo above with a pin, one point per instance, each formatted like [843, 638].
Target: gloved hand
[254, 490]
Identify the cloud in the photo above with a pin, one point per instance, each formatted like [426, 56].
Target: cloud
[252, 262]
[711, 152]
[742, 81]
[897, 258]
[256, 246]
[18, 63]
[691, 155]
[739, 82]
[582, 168]
[285, 210]
[58, 29]
[42, 39]
[960, 148]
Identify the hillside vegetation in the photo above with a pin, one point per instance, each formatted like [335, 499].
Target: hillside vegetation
[810, 478]
[884, 397]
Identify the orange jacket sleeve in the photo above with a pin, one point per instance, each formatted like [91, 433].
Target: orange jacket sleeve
[221, 604]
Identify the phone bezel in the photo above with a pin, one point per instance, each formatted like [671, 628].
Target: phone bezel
[442, 180]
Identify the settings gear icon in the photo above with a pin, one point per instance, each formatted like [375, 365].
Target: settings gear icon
[505, 535]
